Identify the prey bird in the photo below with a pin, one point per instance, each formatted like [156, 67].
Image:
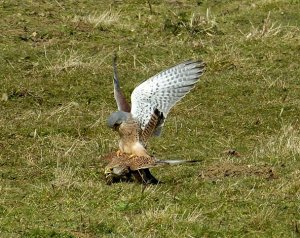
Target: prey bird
[151, 102]
[125, 165]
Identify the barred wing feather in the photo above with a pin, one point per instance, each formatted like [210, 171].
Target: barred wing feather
[163, 90]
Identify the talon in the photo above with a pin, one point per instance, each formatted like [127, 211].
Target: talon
[119, 153]
[131, 156]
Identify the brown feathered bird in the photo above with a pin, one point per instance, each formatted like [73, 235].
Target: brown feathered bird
[123, 166]
[151, 103]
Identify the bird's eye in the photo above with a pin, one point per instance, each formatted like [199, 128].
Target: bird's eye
[108, 171]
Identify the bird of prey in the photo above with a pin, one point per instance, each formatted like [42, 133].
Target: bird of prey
[151, 102]
[123, 105]
[124, 165]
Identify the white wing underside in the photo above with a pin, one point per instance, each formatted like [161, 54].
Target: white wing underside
[163, 90]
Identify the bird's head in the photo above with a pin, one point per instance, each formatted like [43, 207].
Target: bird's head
[117, 118]
[116, 171]
[117, 174]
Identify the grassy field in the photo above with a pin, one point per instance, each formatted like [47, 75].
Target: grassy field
[56, 93]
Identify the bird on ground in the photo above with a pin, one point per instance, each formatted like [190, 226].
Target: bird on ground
[151, 102]
[124, 165]
[143, 175]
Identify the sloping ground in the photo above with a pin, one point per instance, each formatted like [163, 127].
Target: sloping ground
[56, 93]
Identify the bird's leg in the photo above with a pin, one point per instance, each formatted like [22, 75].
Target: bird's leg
[131, 156]
[139, 154]
[119, 153]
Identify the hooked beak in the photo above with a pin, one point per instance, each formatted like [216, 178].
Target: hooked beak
[116, 127]
[108, 172]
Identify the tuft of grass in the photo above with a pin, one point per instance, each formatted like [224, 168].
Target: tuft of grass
[64, 178]
[284, 144]
[99, 20]
[207, 22]
[67, 62]
[193, 23]
[71, 60]
[268, 29]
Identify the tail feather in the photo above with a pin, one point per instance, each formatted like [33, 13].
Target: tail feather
[176, 162]
[121, 101]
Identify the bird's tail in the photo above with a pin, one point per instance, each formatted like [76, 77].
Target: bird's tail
[121, 101]
[175, 162]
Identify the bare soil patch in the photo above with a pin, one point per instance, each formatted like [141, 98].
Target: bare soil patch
[230, 169]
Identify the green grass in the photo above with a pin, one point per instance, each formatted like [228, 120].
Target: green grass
[56, 93]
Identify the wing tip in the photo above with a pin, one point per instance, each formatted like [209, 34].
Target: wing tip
[198, 63]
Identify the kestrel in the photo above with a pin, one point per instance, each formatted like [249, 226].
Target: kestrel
[123, 166]
[123, 105]
[151, 102]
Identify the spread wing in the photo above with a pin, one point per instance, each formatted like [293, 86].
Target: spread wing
[163, 90]
[122, 104]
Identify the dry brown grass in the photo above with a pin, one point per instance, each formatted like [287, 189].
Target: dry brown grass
[105, 19]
